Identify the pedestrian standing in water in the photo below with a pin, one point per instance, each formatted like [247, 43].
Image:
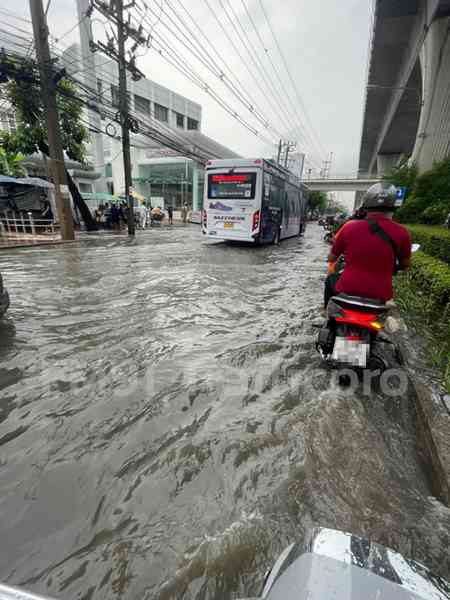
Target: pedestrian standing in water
[170, 213]
[115, 217]
[184, 212]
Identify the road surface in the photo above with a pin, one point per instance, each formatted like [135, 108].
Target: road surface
[166, 427]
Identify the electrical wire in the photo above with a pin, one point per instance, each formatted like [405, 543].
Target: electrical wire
[283, 58]
[197, 48]
[247, 43]
[308, 139]
[160, 136]
[186, 69]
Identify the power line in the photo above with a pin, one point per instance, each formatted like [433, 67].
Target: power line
[278, 86]
[178, 62]
[204, 56]
[289, 73]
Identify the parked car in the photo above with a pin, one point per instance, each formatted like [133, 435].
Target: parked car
[4, 298]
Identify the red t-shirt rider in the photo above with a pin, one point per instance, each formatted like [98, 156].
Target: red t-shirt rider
[369, 259]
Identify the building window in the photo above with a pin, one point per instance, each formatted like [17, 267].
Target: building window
[161, 113]
[141, 104]
[85, 188]
[115, 96]
[179, 118]
[192, 124]
[8, 121]
[100, 88]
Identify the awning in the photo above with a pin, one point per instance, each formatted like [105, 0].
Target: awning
[35, 182]
[4, 179]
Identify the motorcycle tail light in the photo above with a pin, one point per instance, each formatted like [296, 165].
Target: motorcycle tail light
[256, 216]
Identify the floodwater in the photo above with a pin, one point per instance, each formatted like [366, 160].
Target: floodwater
[166, 427]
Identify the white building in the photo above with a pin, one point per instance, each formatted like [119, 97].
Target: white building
[157, 171]
[7, 118]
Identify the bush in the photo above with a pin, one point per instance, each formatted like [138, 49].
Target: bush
[423, 293]
[433, 276]
[434, 241]
[435, 214]
[411, 211]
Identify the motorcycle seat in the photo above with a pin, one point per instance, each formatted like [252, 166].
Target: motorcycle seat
[360, 303]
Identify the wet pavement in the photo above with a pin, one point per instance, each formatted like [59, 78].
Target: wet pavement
[166, 427]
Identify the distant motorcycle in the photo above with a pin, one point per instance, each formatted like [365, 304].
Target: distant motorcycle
[156, 219]
[329, 236]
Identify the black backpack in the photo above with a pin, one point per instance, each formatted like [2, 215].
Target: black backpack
[376, 229]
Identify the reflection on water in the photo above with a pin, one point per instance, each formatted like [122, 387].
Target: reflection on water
[166, 428]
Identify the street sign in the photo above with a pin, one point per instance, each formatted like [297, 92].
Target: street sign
[400, 196]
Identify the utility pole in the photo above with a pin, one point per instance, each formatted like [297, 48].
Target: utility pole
[280, 148]
[56, 152]
[124, 115]
[327, 167]
[289, 146]
[285, 147]
[114, 11]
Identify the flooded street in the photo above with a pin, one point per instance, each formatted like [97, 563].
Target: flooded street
[166, 427]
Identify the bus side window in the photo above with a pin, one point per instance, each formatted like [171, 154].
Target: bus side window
[276, 192]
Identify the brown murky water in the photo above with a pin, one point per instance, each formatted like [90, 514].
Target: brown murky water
[166, 427]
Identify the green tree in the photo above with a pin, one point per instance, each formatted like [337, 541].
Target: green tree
[317, 202]
[11, 163]
[19, 78]
[403, 175]
[429, 198]
[23, 92]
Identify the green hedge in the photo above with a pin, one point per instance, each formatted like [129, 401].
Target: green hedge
[423, 293]
[434, 241]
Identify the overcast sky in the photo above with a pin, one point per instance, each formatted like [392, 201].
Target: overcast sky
[325, 43]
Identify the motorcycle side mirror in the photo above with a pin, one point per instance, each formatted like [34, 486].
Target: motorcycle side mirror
[415, 247]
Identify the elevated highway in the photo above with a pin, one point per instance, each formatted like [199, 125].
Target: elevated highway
[407, 108]
[341, 184]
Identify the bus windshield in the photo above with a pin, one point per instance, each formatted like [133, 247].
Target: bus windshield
[232, 185]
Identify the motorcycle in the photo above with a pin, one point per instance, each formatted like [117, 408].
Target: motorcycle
[342, 566]
[329, 236]
[156, 219]
[354, 336]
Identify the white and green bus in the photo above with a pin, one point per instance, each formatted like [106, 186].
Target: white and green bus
[252, 200]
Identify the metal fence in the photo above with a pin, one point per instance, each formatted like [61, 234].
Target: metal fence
[13, 224]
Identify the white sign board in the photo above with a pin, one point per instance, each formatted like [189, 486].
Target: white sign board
[157, 201]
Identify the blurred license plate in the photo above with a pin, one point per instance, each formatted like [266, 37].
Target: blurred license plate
[351, 352]
[228, 225]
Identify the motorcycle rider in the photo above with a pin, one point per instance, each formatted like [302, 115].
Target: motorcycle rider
[373, 249]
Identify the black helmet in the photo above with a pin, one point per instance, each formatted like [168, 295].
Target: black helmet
[381, 196]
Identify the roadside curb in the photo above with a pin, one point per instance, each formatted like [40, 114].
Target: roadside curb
[433, 417]
[433, 437]
[37, 244]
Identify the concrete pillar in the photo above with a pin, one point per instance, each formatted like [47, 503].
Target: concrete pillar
[196, 198]
[90, 79]
[386, 162]
[433, 140]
